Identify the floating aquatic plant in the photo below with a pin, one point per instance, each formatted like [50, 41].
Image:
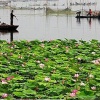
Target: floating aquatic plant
[57, 69]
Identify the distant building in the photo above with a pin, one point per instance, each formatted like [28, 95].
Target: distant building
[4, 2]
[31, 0]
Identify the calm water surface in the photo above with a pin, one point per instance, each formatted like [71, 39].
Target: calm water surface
[36, 25]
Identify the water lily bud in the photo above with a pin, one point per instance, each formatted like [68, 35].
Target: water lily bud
[67, 49]
[23, 65]
[15, 46]
[46, 59]
[91, 76]
[93, 53]
[8, 62]
[41, 65]
[77, 45]
[74, 80]
[20, 57]
[57, 45]
[96, 62]
[79, 59]
[38, 61]
[11, 54]
[1, 53]
[47, 79]
[82, 84]
[42, 45]
[5, 54]
[11, 47]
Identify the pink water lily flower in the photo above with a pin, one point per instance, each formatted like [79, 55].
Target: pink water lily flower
[75, 91]
[72, 94]
[4, 81]
[9, 78]
[97, 61]
[46, 59]
[93, 88]
[4, 95]
[76, 75]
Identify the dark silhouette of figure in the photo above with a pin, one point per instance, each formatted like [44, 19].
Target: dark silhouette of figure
[99, 14]
[78, 13]
[11, 17]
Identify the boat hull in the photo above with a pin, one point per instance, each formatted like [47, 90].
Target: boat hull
[88, 17]
[8, 31]
[8, 27]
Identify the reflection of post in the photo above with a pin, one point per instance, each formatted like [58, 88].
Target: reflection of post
[11, 36]
[46, 6]
[78, 20]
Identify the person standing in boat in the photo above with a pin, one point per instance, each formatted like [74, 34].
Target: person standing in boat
[11, 17]
[90, 12]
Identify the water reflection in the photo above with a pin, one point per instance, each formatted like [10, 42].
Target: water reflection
[11, 34]
[8, 34]
[89, 21]
[78, 20]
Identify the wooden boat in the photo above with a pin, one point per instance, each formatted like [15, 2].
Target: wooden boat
[8, 31]
[5, 26]
[87, 16]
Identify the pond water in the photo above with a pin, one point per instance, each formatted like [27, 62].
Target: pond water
[37, 25]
